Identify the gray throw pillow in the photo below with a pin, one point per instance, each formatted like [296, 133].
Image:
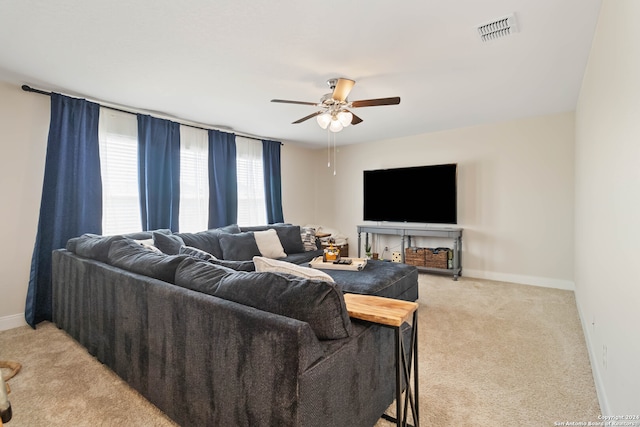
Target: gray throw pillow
[239, 247]
[131, 256]
[316, 302]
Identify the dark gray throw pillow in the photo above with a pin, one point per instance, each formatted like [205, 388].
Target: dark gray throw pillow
[131, 256]
[200, 276]
[319, 303]
[208, 240]
[168, 243]
[239, 247]
[290, 238]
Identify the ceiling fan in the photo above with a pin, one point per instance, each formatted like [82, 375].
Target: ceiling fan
[334, 107]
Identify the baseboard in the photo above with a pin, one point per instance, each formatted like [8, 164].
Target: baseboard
[12, 321]
[544, 282]
[595, 366]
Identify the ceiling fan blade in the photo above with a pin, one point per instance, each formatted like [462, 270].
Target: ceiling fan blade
[355, 119]
[374, 102]
[342, 89]
[284, 101]
[307, 117]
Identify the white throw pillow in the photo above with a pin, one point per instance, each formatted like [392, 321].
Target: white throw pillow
[274, 266]
[269, 244]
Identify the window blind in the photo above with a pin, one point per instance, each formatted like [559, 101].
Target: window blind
[118, 142]
[194, 179]
[251, 195]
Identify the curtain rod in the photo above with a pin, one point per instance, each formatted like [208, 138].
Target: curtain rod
[28, 88]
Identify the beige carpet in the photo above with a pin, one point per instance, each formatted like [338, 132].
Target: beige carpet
[491, 354]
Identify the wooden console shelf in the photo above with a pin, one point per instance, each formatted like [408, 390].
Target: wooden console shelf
[405, 234]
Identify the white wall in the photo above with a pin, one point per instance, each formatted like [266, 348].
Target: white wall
[24, 125]
[515, 194]
[299, 198]
[608, 206]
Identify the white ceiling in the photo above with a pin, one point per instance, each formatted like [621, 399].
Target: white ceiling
[220, 62]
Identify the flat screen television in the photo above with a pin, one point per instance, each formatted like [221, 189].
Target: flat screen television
[419, 194]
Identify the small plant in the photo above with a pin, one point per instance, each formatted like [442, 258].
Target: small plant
[367, 249]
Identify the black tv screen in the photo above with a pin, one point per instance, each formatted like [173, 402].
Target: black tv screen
[421, 194]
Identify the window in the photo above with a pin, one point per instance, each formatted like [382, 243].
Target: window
[251, 196]
[194, 179]
[118, 139]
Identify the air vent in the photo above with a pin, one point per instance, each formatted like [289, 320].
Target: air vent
[498, 28]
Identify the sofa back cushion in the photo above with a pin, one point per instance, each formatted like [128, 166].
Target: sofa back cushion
[320, 304]
[289, 235]
[97, 247]
[201, 276]
[92, 246]
[206, 256]
[131, 256]
[208, 240]
[239, 247]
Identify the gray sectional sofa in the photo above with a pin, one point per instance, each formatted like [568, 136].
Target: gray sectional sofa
[213, 343]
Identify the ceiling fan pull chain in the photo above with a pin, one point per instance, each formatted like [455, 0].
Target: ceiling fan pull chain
[328, 148]
[335, 157]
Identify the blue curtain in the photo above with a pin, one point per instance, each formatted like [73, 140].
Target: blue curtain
[272, 180]
[223, 179]
[159, 172]
[71, 202]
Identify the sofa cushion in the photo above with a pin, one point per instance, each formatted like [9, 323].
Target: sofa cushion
[206, 256]
[144, 235]
[235, 265]
[208, 240]
[275, 266]
[303, 258]
[131, 256]
[239, 247]
[196, 253]
[269, 244]
[288, 234]
[316, 302]
[201, 276]
[92, 246]
[290, 238]
[168, 243]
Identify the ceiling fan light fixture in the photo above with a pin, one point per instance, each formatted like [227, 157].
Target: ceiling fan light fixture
[345, 118]
[335, 125]
[323, 120]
